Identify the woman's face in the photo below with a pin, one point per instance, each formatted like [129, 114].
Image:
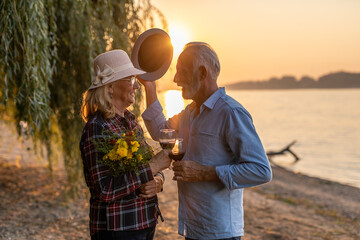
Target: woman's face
[123, 93]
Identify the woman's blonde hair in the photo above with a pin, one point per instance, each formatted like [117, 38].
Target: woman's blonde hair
[97, 100]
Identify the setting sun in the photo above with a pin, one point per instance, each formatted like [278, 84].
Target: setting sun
[179, 37]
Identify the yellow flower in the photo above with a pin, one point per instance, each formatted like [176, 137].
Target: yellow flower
[112, 155]
[122, 152]
[135, 146]
[121, 143]
[139, 157]
[129, 155]
[124, 144]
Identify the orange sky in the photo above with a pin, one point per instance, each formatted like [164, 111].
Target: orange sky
[259, 39]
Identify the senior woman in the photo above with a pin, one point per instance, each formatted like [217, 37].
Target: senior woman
[125, 205]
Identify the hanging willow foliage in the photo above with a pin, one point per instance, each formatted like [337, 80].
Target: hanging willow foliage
[46, 53]
[25, 61]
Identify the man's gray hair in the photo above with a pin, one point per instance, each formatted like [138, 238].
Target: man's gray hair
[205, 54]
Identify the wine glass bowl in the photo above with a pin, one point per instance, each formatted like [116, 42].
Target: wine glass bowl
[178, 151]
[167, 138]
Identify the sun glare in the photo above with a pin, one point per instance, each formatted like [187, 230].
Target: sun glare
[179, 37]
[174, 103]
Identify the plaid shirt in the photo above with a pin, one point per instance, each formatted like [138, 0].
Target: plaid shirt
[114, 202]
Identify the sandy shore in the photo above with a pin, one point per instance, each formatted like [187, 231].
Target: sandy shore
[291, 206]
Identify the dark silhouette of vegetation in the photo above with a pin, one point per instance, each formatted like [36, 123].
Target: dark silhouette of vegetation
[46, 53]
[332, 80]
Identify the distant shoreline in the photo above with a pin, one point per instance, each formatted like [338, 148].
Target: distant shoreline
[228, 87]
[336, 80]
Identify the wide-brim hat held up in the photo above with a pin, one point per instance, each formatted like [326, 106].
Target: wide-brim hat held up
[112, 66]
[152, 53]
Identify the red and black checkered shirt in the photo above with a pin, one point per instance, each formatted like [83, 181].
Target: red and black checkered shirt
[114, 202]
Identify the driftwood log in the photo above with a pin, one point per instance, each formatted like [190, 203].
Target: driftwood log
[270, 154]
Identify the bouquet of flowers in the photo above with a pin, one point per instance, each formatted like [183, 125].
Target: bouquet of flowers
[123, 153]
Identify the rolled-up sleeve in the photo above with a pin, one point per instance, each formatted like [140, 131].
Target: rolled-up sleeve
[155, 120]
[251, 166]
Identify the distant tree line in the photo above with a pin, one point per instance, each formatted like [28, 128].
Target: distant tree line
[332, 80]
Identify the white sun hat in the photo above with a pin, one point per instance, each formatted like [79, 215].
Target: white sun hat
[112, 66]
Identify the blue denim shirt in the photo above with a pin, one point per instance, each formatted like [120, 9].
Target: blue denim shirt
[221, 135]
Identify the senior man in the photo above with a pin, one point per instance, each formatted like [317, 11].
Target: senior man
[224, 153]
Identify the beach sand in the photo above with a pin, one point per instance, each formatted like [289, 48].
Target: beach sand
[291, 206]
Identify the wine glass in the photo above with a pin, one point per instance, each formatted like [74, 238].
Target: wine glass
[178, 151]
[167, 138]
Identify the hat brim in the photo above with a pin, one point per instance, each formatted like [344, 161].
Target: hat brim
[152, 53]
[120, 75]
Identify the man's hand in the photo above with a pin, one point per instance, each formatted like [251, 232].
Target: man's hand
[152, 187]
[190, 171]
[160, 161]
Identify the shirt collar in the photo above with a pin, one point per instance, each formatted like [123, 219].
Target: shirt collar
[210, 102]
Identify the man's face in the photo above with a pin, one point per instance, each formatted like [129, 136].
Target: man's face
[185, 76]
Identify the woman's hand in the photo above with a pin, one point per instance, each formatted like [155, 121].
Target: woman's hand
[151, 188]
[146, 83]
[160, 161]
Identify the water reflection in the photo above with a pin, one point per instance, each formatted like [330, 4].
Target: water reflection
[172, 102]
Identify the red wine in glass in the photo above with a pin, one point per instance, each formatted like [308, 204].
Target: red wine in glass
[177, 157]
[178, 150]
[167, 138]
[167, 143]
